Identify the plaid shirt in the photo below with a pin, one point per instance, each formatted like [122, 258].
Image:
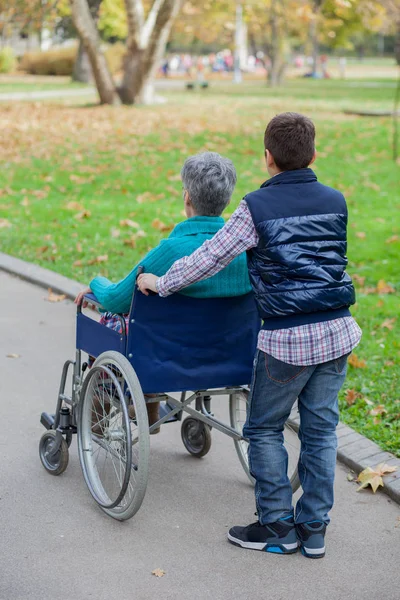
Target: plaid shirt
[304, 345]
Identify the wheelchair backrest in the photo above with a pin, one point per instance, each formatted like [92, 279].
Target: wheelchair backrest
[181, 343]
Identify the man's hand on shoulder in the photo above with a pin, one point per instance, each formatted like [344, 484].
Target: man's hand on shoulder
[147, 282]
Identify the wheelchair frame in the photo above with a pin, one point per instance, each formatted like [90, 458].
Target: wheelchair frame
[64, 423]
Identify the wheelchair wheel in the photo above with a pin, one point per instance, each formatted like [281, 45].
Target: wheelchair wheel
[57, 463]
[238, 410]
[113, 436]
[196, 437]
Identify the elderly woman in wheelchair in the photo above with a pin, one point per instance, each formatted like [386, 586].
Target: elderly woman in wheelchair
[166, 352]
[208, 183]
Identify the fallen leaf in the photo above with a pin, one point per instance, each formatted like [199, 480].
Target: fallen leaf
[361, 234]
[378, 410]
[24, 202]
[81, 180]
[41, 193]
[98, 259]
[79, 247]
[129, 223]
[384, 288]
[389, 363]
[388, 323]
[85, 214]
[42, 249]
[358, 279]
[158, 572]
[131, 242]
[373, 476]
[4, 223]
[174, 178]
[77, 263]
[12, 355]
[74, 205]
[392, 239]
[52, 297]
[157, 224]
[357, 363]
[351, 397]
[115, 232]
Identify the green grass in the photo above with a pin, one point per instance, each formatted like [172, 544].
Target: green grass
[61, 161]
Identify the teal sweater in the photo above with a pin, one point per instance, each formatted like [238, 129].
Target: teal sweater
[183, 240]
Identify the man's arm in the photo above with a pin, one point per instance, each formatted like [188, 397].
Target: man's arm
[237, 236]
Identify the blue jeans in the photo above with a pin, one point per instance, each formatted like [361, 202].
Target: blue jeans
[275, 387]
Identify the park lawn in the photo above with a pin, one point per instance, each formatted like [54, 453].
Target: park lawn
[87, 190]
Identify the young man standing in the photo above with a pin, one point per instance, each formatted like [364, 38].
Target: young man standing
[294, 231]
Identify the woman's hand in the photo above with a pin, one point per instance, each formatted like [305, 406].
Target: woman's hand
[81, 295]
[147, 282]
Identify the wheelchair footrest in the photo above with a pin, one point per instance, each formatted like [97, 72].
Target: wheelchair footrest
[47, 420]
[165, 408]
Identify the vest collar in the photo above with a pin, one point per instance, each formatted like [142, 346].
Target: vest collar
[297, 176]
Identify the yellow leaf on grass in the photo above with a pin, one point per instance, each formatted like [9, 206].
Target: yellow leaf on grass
[158, 572]
[378, 410]
[85, 214]
[157, 224]
[384, 288]
[358, 279]
[52, 297]
[129, 223]
[357, 363]
[373, 476]
[4, 223]
[351, 397]
[388, 323]
[361, 234]
[131, 242]
[98, 259]
[74, 205]
[392, 239]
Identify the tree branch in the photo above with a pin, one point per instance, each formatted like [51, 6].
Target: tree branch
[150, 22]
[161, 30]
[135, 18]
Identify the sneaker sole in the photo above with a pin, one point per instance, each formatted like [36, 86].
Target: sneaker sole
[313, 552]
[262, 546]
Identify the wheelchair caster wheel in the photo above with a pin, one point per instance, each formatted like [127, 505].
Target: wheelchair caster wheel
[57, 463]
[196, 437]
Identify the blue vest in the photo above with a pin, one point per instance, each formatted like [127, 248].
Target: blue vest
[297, 271]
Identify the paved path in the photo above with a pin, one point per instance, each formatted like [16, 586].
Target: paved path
[55, 542]
[83, 91]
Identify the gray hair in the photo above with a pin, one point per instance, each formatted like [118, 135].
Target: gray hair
[209, 179]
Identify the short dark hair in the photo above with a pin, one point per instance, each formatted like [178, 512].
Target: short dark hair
[290, 137]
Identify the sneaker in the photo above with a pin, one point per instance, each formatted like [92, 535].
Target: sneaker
[279, 537]
[311, 537]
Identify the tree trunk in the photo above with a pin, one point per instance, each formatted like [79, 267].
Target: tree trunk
[82, 70]
[316, 8]
[145, 49]
[277, 62]
[397, 44]
[90, 38]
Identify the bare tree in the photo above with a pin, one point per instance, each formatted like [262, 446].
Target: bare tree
[147, 38]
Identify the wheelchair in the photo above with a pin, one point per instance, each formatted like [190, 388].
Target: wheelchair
[197, 349]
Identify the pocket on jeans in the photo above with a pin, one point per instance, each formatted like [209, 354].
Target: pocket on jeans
[341, 362]
[281, 372]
